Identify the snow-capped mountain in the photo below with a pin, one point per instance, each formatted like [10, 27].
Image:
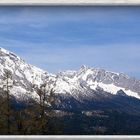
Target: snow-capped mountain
[80, 85]
[93, 79]
[24, 76]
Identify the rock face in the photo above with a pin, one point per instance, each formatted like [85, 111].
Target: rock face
[73, 86]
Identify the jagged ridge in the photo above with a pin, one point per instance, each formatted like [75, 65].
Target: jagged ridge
[77, 84]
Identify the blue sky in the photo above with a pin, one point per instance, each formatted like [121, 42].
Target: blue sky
[61, 38]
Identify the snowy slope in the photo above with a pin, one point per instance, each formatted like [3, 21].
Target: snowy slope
[88, 78]
[76, 84]
[23, 74]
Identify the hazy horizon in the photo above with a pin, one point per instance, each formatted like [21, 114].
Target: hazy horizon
[65, 38]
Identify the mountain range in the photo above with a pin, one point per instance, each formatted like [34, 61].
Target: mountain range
[86, 88]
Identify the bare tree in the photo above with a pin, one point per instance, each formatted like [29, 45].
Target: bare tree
[7, 86]
[45, 93]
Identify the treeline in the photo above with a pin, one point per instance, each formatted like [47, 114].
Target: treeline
[26, 117]
[27, 120]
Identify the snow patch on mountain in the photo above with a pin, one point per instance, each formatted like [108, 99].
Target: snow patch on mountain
[111, 88]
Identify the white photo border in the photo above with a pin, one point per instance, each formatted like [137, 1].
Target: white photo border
[70, 3]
